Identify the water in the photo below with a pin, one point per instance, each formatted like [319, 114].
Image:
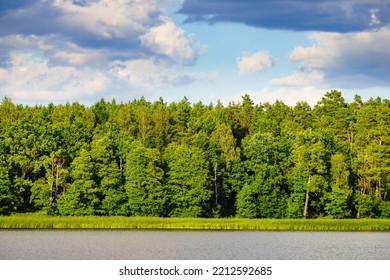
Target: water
[185, 245]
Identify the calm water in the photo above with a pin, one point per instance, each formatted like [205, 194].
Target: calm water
[137, 244]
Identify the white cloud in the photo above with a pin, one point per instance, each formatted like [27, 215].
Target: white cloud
[56, 49]
[109, 18]
[151, 74]
[358, 59]
[374, 18]
[169, 40]
[74, 57]
[19, 42]
[256, 62]
[83, 49]
[300, 78]
[32, 78]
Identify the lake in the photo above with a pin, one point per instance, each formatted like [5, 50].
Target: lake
[187, 245]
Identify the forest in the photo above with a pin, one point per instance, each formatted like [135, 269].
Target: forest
[179, 159]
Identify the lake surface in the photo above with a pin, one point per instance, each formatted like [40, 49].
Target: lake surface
[186, 245]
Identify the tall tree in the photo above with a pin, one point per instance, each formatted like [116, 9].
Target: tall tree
[180, 115]
[337, 200]
[83, 195]
[332, 115]
[107, 175]
[372, 163]
[266, 157]
[270, 117]
[187, 181]
[224, 154]
[147, 195]
[7, 197]
[308, 173]
[161, 125]
[143, 120]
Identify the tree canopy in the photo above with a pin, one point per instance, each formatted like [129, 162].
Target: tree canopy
[144, 158]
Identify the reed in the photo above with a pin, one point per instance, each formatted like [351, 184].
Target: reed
[27, 221]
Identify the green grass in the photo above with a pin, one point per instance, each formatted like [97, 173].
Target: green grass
[27, 221]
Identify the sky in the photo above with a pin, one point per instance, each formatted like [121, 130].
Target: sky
[206, 50]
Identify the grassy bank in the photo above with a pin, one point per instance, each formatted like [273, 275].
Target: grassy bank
[49, 222]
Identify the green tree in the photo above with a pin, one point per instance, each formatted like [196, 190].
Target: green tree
[270, 117]
[337, 200]
[224, 153]
[8, 112]
[366, 205]
[107, 175]
[308, 173]
[332, 115]
[266, 158]
[299, 118]
[83, 195]
[372, 164]
[27, 149]
[144, 123]
[45, 190]
[179, 115]
[146, 193]
[248, 202]
[187, 181]
[6, 195]
[161, 125]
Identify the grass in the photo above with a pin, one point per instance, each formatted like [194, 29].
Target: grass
[28, 221]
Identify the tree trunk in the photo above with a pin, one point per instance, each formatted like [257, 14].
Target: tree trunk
[305, 210]
[306, 205]
[378, 189]
[215, 183]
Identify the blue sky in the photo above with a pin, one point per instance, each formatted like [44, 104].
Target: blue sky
[207, 50]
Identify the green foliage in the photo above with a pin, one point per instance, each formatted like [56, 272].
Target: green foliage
[194, 160]
[308, 172]
[248, 202]
[6, 196]
[83, 196]
[187, 181]
[337, 200]
[265, 195]
[337, 203]
[384, 208]
[366, 206]
[146, 193]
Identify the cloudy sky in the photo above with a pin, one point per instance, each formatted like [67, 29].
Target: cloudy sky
[207, 50]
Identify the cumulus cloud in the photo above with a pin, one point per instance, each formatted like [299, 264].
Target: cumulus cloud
[152, 74]
[328, 15]
[299, 78]
[256, 62]
[54, 47]
[167, 39]
[78, 49]
[87, 23]
[357, 59]
[33, 79]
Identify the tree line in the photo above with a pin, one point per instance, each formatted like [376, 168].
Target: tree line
[180, 159]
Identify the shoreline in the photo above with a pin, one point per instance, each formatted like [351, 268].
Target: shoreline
[28, 221]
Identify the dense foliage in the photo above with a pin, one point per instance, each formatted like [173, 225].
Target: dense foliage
[195, 160]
